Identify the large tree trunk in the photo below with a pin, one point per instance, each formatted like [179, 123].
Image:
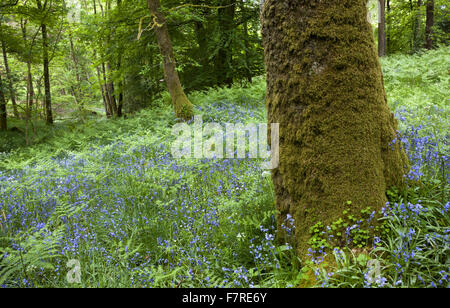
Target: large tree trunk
[429, 25]
[325, 89]
[381, 29]
[182, 106]
[3, 115]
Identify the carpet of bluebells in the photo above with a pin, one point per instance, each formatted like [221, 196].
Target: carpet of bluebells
[132, 216]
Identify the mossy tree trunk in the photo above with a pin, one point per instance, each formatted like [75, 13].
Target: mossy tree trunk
[182, 106]
[325, 89]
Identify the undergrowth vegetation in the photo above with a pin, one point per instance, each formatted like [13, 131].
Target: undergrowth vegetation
[109, 194]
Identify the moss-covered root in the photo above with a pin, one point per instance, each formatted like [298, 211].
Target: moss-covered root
[325, 88]
[182, 106]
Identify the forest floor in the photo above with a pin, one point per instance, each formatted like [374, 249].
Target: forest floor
[109, 195]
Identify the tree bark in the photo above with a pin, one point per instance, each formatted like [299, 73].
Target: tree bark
[382, 29]
[429, 25]
[325, 89]
[182, 106]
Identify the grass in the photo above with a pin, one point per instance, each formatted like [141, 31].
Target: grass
[109, 194]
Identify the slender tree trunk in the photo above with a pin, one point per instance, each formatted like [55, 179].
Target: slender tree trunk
[120, 102]
[119, 64]
[111, 91]
[182, 106]
[202, 38]
[429, 25]
[39, 98]
[102, 90]
[8, 76]
[77, 90]
[30, 89]
[120, 90]
[247, 45]
[109, 83]
[325, 89]
[224, 61]
[100, 83]
[381, 29]
[417, 24]
[388, 31]
[411, 10]
[3, 114]
[110, 111]
[48, 96]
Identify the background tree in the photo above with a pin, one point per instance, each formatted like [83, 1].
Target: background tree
[381, 29]
[429, 25]
[325, 88]
[45, 61]
[98, 67]
[8, 73]
[418, 26]
[406, 25]
[3, 112]
[224, 58]
[182, 106]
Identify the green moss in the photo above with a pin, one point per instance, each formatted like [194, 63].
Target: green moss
[182, 106]
[352, 231]
[326, 90]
